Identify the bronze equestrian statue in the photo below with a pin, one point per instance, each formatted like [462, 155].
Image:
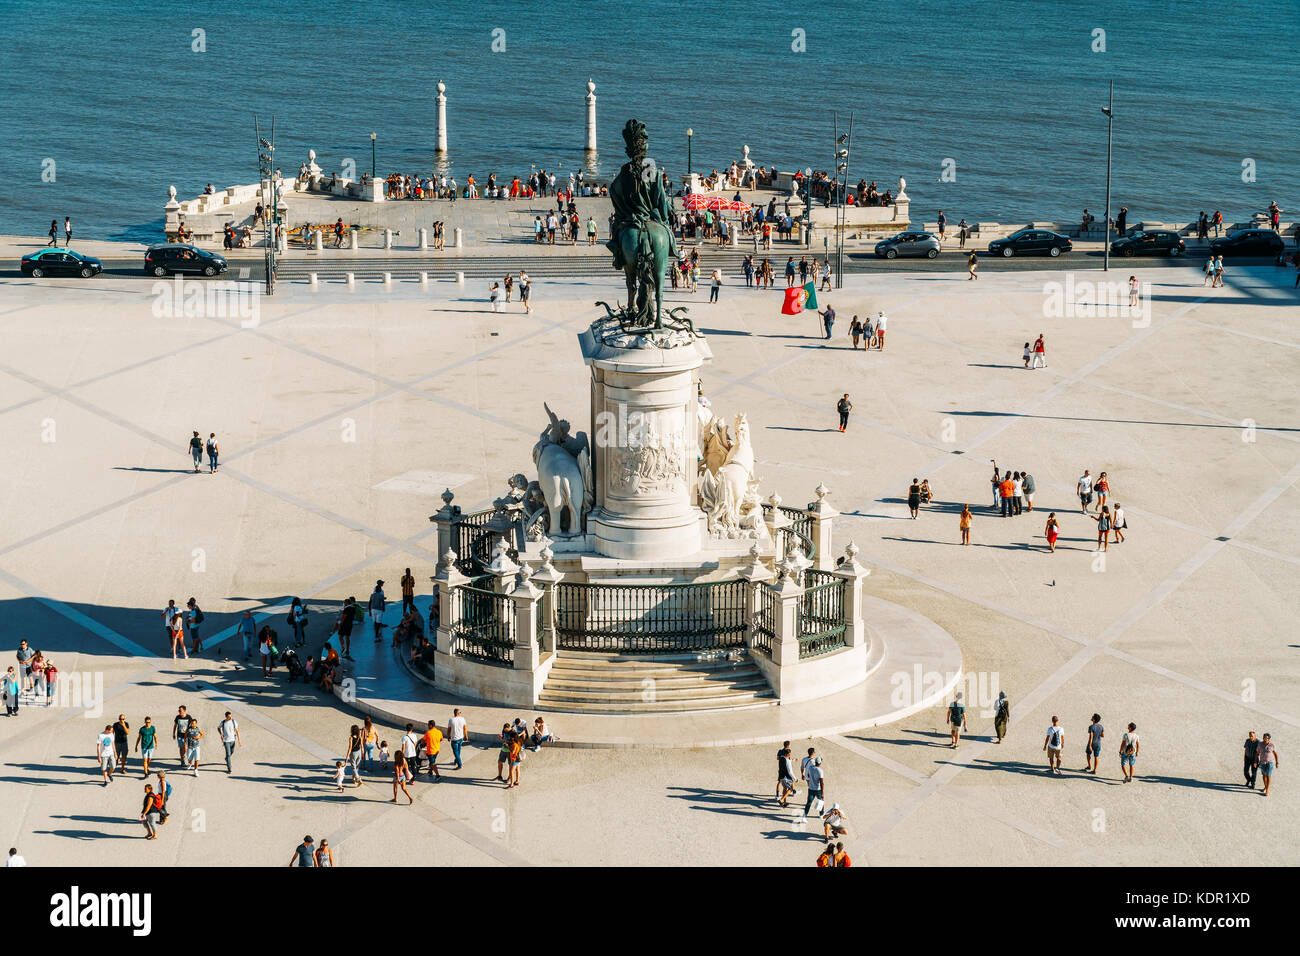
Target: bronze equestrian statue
[642, 241]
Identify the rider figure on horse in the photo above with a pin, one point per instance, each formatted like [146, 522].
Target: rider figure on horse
[642, 213]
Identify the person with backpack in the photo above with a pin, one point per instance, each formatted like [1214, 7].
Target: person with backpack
[214, 451]
[228, 731]
[1129, 745]
[164, 790]
[1001, 715]
[1053, 744]
[196, 451]
[193, 618]
[149, 811]
[956, 719]
[298, 622]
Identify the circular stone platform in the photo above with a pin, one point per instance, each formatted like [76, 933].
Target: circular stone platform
[902, 642]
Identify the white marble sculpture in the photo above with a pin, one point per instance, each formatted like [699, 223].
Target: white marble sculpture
[564, 476]
[729, 495]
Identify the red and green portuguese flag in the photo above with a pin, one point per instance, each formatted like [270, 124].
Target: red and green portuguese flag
[799, 298]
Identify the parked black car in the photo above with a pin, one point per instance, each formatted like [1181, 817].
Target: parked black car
[181, 257]
[1248, 242]
[1156, 242]
[60, 262]
[1031, 242]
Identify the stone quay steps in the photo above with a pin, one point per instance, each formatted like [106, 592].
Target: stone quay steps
[597, 683]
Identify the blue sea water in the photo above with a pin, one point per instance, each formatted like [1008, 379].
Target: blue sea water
[1010, 92]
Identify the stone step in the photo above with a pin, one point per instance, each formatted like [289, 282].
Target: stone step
[730, 702]
[664, 687]
[634, 672]
[670, 657]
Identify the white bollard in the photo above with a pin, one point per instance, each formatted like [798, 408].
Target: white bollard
[352, 239]
[424, 237]
[352, 280]
[460, 278]
[388, 238]
[424, 280]
[313, 280]
[459, 238]
[388, 278]
[317, 242]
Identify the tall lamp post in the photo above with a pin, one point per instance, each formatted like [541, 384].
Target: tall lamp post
[689, 133]
[807, 207]
[266, 169]
[843, 143]
[372, 155]
[1110, 124]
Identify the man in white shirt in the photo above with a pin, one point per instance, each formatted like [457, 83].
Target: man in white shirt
[104, 753]
[1054, 743]
[881, 321]
[457, 732]
[228, 731]
[168, 613]
[14, 858]
[1084, 489]
[834, 822]
[411, 750]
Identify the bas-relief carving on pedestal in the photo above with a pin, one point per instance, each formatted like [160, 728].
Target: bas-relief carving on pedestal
[653, 462]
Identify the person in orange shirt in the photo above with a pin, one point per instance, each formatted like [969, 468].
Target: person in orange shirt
[841, 857]
[514, 754]
[1008, 490]
[827, 856]
[432, 744]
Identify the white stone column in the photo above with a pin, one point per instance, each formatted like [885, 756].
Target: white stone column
[644, 438]
[785, 640]
[502, 568]
[449, 580]
[547, 577]
[442, 117]
[853, 573]
[526, 597]
[822, 515]
[446, 518]
[591, 116]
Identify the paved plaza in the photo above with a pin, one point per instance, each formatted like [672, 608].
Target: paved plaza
[342, 415]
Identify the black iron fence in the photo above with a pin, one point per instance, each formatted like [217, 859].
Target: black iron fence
[650, 618]
[821, 614]
[798, 531]
[469, 531]
[763, 631]
[486, 630]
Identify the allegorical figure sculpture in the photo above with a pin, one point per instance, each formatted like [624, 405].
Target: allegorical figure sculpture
[564, 475]
[729, 494]
[642, 240]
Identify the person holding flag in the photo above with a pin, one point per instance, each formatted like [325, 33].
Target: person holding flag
[828, 319]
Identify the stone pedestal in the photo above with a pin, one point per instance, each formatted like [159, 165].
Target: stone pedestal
[645, 440]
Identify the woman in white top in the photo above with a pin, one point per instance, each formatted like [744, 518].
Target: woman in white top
[1117, 522]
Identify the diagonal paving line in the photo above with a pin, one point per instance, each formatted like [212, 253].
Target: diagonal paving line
[456, 828]
[989, 810]
[1085, 656]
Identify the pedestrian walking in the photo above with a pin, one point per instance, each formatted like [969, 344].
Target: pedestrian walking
[247, 630]
[813, 773]
[193, 621]
[178, 635]
[525, 291]
[11, 685]
[324, 856]
[1053, 744]
[266, 648]
[149, 811]
[997, 486]
[784, 774]
[298, 621]
[1040, 353]
[192, 738]
[104, 753]
[304, 854]
[355, 750]
[1218, 273]
[67, 230]
[972, 264]
[789, 272]
[879, 331]
[343, 626]
[1250, 765]
[1132, 292]
[1017, 493]
[432, 745]
[826, 276]
[1102, 490]
[913, 497]
[1028, 352]
[965, 523]
[514, 756]
[401, 772]
[844, 406]
[228, 731]
[715, 285]
[196, 451]
[1269, 759]
[855, 331]
[25, 655]
[1103, 529]
[956, 719]
[180, 731]
[963, 233]
[1001, 715]
[408, 592]
[1092, 746]
[214, 452]
[1083, 488]
[146, 738]
[457, 732]
[410, 750]
[1130, 746]
[1052, 531]
[54, 233]
[121, 742]
[494, 298]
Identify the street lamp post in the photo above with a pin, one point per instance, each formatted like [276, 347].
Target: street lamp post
[1110, 124]
[689, 133]
[807, 207]
[372, 155]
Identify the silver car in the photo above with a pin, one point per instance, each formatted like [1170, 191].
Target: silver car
[909, 244]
